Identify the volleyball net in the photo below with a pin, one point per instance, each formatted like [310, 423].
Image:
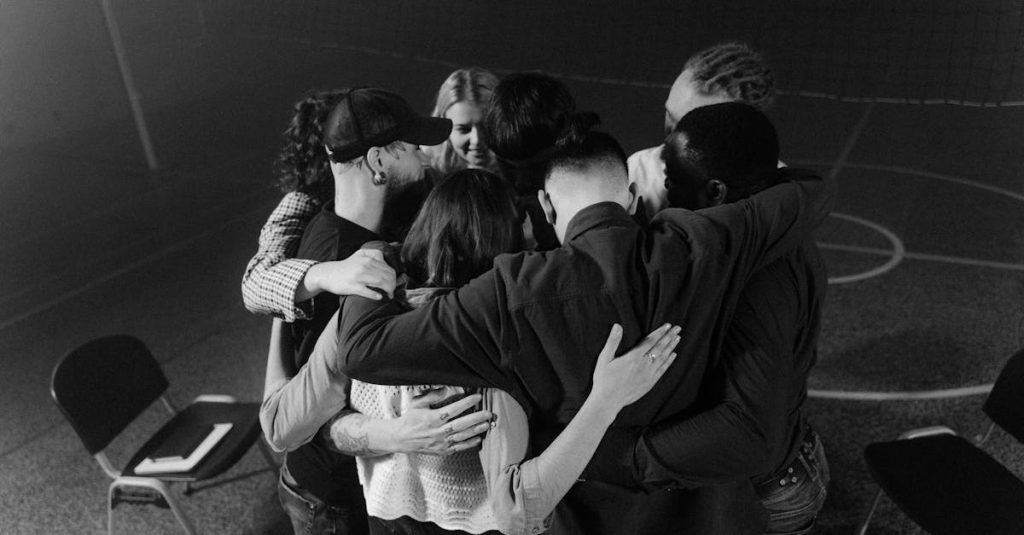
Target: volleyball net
[960, 52]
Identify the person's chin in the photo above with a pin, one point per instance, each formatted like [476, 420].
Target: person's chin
[477, 161]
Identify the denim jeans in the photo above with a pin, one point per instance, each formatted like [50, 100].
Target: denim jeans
[310, 515]
[793, 507]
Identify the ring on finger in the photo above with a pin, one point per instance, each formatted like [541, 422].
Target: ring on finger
[650, 356]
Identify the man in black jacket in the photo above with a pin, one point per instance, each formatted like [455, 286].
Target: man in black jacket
[749, 424]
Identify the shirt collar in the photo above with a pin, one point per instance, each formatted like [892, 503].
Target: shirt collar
[602, 214]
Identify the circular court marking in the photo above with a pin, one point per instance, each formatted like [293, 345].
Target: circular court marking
[924, 394]
[946, 393]
[899, 251]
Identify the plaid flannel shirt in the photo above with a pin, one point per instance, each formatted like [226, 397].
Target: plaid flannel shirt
[272, 276]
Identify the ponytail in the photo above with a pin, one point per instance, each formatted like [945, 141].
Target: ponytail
[302, 164]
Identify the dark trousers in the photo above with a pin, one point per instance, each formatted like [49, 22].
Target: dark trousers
[795, 495]
[595, 508]
[310, 515]
[408, 526]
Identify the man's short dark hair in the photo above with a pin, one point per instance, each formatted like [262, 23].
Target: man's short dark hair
[580, 146]
[527, 114]
[732, 142]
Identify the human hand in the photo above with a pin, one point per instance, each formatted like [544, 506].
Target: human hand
[623, 380]
[442, 430]
[362, 274]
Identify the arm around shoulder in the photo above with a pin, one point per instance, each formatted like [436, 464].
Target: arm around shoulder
[773, 221]
[524, 493]
[456, 339]
[272, 277]
[294, 408]
[519, 500]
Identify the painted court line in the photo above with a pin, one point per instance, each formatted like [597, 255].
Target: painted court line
[938, 176]
[851, 141]
[29, 440]
[907, 254]
[896, 254]
[175, 247]
[901, 396]
[924, 174]
[656, 85]
[923, 256]
[902, 100]
[835, 167]
[165, 181]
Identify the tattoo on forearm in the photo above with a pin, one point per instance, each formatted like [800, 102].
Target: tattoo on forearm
[347, 433]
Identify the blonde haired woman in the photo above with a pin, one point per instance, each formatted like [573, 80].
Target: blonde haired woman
[463, 98]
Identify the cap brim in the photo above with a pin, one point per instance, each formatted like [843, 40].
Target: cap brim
[427, 131]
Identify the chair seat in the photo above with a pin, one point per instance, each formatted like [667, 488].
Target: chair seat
[948, 485]
[245, 429]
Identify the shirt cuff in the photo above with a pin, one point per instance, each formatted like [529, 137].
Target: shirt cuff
[302, 311]
[292, 271]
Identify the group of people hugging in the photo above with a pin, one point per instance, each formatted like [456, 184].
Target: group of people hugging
[490, 320]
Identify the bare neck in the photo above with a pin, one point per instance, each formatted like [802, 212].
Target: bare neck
[358, 200]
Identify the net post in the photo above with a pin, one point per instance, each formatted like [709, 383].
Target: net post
[129, 85]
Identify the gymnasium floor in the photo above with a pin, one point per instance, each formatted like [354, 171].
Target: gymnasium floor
[925, 249]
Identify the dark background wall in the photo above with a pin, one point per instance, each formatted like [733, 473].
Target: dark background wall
[59, 72]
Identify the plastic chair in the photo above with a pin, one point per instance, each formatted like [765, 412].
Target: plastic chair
[104, 385]
[948, 484]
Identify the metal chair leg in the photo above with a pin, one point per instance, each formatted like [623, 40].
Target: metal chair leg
[110, 507]
[874, 504]
[179, 513]
[154, 484]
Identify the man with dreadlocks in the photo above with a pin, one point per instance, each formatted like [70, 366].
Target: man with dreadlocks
[750, 424]
[726, 72]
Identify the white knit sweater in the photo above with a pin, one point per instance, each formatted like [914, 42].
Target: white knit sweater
[448, 491]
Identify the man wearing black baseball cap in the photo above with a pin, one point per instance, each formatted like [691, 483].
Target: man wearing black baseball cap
[373, 138]
[368, 118]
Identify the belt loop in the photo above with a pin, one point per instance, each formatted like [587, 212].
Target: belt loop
[809, 462]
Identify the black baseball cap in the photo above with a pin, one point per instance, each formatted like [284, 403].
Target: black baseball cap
[368, 117]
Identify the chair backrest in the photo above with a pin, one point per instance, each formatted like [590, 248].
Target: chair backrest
[102, 386]
[1005, 404]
